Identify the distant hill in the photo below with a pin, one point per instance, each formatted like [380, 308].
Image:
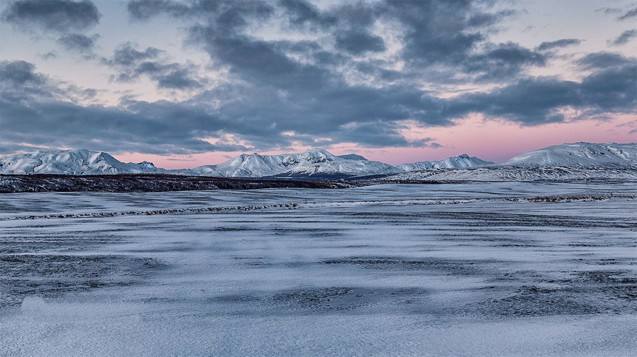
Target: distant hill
[579, 155]
[463, 161]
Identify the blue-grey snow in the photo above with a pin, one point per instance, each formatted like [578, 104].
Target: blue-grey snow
[474, 269]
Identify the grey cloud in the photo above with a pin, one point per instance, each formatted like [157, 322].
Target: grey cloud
[230, 13]
[145, 9]
[602, 60]
[609, 10]
[501, 61]
[19, 73]
[128, 55]
[551, 45]
[274, 92]
[52, 15]
[307, 87]
[132, 63]
[359, 42]
[32, 110]
[20, 81]
[79, 43]
[625, 37]
[539, 100]
[632, 13]
[301, 13]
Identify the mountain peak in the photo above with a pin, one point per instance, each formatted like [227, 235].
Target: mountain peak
[77, 162]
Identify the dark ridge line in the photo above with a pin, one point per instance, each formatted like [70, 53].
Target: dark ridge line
[148, 183]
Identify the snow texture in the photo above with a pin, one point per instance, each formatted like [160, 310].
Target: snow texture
[481, 269]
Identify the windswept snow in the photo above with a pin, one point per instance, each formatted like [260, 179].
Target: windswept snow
[489, 269]
[77, 162]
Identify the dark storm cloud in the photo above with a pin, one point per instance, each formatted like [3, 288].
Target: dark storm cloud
[132, 63]
[52, 15]
[625, 37]
[551, 45]
[78, 43]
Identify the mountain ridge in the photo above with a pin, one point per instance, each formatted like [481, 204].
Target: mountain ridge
[319, 163]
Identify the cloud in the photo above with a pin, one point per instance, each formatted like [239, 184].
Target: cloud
[609, 10]
[625, 37]
[536, 101]
[359, 42]
[603, 60]
[18, 80]
[302, 13]
[295, 72]
[432, 33]
[79, 43]
[145, 9]
[501, 61]
[132, 63]
[52, 15]
[34, 109]
[632, 13]
[552, 45]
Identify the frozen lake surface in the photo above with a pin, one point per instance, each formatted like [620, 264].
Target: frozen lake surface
[489, 269]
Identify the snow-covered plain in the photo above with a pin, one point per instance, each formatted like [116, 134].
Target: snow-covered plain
[490, 269]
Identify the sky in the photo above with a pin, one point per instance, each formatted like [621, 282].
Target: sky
[184, 83]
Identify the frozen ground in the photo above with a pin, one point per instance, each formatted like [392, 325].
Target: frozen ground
[491, 269]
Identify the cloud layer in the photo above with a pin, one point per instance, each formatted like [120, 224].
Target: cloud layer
[291, 72]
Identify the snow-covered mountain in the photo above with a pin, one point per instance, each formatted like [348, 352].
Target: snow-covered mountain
[319, 163]
[463, 161]
[579, 155]
[567, 159]
[71, 162]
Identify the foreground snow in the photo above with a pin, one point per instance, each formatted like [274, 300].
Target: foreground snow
[524, 269]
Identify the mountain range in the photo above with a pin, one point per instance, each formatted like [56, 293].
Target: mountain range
[321, 163]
